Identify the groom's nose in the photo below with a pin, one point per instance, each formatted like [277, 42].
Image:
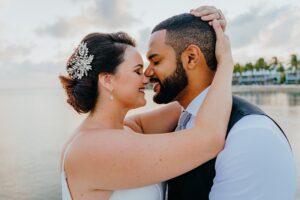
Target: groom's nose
[149, 71]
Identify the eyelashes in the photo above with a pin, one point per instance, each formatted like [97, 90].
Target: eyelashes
[138, 72]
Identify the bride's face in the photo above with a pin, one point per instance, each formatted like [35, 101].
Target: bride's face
[130, 81]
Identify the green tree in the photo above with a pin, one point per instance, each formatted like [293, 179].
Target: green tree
[249, 66]
[274, 64]
[261, 64]
[280, 68]
[294, 62]
[238, 68]
[275, 60]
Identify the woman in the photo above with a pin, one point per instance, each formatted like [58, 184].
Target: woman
[103, 159]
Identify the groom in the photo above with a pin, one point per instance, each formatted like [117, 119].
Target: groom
[257, 161]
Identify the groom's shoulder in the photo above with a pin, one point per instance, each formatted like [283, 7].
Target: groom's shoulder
[246, 115]
[253, 121]
[243, 107]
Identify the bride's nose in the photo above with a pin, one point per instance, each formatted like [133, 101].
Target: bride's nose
[145, 79]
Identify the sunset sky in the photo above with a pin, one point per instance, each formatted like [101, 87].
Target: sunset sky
[37, 36]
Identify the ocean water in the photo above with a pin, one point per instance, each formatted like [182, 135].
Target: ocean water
[35, 123]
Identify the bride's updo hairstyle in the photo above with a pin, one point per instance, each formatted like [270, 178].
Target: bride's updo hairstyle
[97, 53]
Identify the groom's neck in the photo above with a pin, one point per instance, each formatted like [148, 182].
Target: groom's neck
[189, 94]
[194, 88]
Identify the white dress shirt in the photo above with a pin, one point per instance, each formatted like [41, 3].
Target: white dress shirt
[256, 163]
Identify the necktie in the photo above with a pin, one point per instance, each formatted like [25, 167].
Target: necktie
[183, 120]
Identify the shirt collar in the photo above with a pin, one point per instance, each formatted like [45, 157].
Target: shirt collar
[194, 106]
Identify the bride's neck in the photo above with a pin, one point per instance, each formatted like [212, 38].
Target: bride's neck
[108, 114]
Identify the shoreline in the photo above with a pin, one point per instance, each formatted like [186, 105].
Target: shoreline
[266, 88]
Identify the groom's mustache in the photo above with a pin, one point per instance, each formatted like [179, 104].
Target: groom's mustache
[154, 80]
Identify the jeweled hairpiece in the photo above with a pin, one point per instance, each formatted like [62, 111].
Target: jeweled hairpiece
[80, 63]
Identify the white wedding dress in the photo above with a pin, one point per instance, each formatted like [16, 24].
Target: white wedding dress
[151, 192]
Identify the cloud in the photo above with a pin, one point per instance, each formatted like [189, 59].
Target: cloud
[61, 28]
[4, 4]
[142, 40]
[28, 74]
[18, 60]
[14, 52]
[265, 32]
[103, 14]
[246, 28]
[284, 31]
[28, 67]
[113, 13]
[78, 1]
[2, 26]
[29, 80]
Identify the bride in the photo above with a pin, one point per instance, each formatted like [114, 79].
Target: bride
[104, 158]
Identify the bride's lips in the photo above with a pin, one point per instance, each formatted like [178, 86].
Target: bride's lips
[142, 90]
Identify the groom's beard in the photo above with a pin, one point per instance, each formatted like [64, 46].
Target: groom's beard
[172, 85]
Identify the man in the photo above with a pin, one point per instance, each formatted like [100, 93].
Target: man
[257, 161]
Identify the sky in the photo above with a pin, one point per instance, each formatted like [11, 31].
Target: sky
[37, 36]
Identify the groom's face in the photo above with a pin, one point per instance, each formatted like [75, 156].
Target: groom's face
[165, 70]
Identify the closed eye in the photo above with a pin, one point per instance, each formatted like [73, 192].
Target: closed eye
[138, 69]
[156, 62]
[139, 72]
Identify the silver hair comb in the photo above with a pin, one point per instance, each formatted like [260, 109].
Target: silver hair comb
[81, 62]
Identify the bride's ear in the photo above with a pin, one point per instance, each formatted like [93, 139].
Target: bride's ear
[106, 80]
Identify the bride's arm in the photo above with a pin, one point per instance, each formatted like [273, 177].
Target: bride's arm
[160, 120]
[117, 159]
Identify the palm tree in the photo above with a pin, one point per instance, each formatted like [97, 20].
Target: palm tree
[294, 62]
[275, 60]
[249, 67]
[276, 65]
[238, 68]
[261, 64]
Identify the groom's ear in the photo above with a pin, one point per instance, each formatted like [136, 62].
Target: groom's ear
[191, 57]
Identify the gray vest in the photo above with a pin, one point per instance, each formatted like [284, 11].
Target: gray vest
[196, 184]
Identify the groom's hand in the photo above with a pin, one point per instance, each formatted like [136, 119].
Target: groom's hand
[209, 13]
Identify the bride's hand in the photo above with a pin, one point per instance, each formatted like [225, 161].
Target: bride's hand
[209, 13]
[223, 49]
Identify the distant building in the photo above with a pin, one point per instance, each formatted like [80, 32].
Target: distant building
[261, 77]
[292, 76]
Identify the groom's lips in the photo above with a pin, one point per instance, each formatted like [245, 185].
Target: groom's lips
[156, 84]
[156, 87]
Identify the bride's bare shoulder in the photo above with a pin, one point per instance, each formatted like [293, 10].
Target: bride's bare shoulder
[93, 140]
[94, 147]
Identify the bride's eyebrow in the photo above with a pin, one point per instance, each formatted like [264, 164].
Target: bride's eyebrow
[138, 66]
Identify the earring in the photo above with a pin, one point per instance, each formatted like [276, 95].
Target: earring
[111, 97]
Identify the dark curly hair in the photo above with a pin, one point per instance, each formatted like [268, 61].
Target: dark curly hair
[108, 50]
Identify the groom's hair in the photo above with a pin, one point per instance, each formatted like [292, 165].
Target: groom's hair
[185, 29]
